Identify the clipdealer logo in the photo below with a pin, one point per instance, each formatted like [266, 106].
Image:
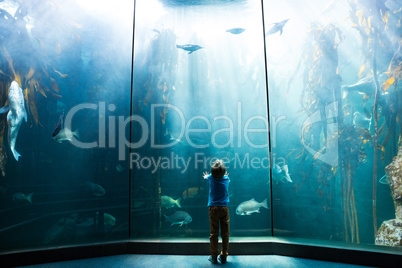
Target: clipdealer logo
[116, 126]
[235, 130]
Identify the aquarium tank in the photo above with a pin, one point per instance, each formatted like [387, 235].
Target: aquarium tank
[110, 113]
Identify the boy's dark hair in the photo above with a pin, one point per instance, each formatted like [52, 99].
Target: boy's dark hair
[218, 169]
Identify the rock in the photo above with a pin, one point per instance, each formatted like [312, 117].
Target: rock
[390, 232]
[394, 176]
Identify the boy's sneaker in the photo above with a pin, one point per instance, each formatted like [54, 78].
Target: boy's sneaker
[213, 260]
[222, 259]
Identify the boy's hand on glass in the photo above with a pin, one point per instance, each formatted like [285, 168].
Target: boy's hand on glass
[226, 173]
[205, 175]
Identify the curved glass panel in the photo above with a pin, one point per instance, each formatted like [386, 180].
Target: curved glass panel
[71, 62]
[199, 94]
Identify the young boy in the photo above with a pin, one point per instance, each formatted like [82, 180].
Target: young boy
[218, 210]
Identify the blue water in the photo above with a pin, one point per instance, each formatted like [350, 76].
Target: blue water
[209, 78]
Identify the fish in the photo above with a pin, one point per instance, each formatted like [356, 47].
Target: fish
[280, 174]
[107, 219]
[190, 192]
[191, 141]
[189, 47]
[58, 126]
[20, 197]
[278, 27]
[276, 169]
[384, 179]
[236, 30]
[87, 222]
[179, 217]
[168, 202]
[16, 113]
[94, 188]
[65, 135]
[250, 206]
[174, 140]
[393, 5]
[363, 86]
[119, 168]
[62, 230]
[285, 168]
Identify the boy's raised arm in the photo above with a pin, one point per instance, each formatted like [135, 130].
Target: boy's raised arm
[205, 175]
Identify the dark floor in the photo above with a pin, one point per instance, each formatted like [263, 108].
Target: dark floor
[195, 261]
